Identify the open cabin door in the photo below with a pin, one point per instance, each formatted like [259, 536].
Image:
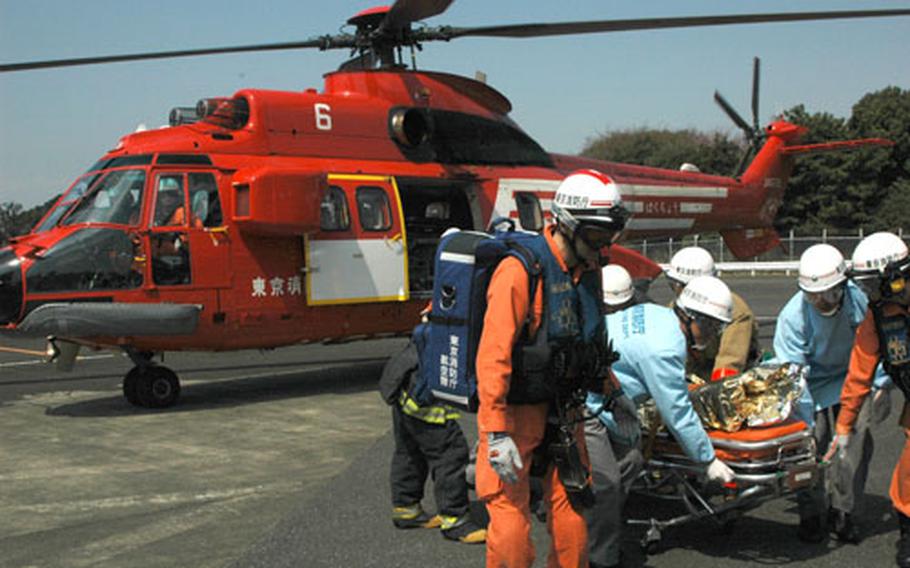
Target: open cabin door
[359, 254]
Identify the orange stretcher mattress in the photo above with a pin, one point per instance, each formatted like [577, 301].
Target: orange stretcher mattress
[753, 443]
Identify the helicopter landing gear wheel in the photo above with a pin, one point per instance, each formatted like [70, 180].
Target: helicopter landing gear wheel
[131, 385]
[151, 387]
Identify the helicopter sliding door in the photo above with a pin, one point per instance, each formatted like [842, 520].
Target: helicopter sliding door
[359, 255]
[188, 244]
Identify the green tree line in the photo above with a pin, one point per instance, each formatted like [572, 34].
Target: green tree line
[16, 220]
[867, 187]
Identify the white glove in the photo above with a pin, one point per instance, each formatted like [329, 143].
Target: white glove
[626, 418]
[881, 405]
[720, 472]
[842, 441]
[504, 457]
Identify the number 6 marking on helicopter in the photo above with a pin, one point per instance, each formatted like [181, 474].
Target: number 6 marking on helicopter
[323, 118]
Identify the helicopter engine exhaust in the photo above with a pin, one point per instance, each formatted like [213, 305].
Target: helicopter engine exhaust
[409, 127]
[182, 115]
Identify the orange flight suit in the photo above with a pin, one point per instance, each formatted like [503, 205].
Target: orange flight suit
[858, 384]
[508, 534]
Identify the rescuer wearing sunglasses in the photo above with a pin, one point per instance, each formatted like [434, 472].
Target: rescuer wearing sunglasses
[550, 343]
[816, 328]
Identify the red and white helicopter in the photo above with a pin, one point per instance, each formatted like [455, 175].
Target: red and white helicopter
[270, 218]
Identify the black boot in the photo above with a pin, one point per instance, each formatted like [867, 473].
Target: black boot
[843, 526]
[903, 545]
[810, 529]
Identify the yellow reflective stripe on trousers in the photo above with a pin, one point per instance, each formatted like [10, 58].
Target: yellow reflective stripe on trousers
[433, 414]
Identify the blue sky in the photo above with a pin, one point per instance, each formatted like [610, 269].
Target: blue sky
[54, 123]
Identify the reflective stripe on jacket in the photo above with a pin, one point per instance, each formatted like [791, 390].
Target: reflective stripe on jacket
[431, 414]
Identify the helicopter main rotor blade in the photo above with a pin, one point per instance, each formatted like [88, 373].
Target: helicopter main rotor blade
[566, 28]
[324, 42]
[403, 12]
[734, 116]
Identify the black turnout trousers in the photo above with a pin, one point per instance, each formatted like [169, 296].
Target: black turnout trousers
[422, 449]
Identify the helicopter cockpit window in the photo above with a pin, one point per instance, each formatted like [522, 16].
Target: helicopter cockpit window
[373, 208]
[72, 195]
[333, 211]
[87, 260]
[205, 206]
[170, 208]
[117, 198]
[121, 161]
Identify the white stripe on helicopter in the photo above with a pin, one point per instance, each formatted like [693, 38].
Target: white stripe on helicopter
[505, 199]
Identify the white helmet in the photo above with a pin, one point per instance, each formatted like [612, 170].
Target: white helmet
[821, 267]
[707, 296]
[617, 285]
[880, 265]
[588, 197]
[690, 262]
[874, 253]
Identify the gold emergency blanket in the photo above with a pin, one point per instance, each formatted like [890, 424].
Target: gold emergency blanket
[758, 397]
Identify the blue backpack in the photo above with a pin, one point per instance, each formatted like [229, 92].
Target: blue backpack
[447, 343]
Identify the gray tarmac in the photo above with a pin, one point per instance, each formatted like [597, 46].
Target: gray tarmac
[281, 459]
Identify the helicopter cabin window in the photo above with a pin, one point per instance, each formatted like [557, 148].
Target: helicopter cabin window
[373, 209]
[170, 249]
[117, 198]
[170, 209]
[334, 214]
[205, 206]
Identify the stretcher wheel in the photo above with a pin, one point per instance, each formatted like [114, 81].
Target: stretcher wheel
[650, 543]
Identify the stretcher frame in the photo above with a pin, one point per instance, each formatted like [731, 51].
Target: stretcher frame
[768, 463]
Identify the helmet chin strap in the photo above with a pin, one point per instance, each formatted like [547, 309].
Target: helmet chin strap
[570, 244]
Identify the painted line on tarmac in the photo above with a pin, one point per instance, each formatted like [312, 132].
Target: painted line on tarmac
[42, 362]
[211, 508]
[161, 499]
[23, 351]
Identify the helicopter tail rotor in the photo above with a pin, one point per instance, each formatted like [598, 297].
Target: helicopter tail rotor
[753, 132]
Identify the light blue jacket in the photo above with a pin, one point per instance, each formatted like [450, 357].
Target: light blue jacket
[823, 343]
[652, 364]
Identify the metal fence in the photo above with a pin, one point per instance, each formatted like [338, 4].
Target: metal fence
[793, 246]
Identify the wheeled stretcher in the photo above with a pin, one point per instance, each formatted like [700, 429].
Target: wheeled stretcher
[769, 462]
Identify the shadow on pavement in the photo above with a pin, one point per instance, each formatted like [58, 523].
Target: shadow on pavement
[753, 539]
[346, 378]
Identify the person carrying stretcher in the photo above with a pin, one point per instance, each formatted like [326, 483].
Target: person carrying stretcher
[737, 348]
[881, 266]
[653, 343]
[816, 328]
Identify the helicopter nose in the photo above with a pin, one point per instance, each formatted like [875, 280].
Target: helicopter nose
[10, 287]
